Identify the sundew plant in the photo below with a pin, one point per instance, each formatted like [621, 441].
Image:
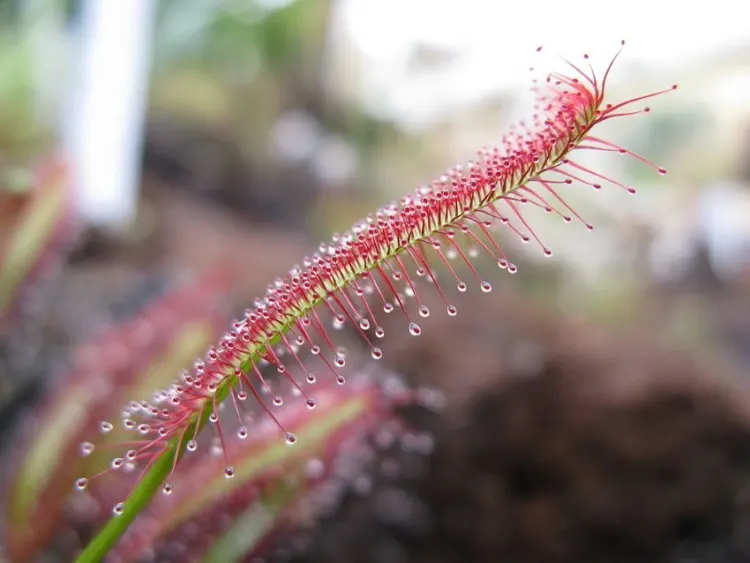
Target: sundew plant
[383, 265]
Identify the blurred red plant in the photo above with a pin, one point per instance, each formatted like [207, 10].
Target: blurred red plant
[273, 484]
[122, 363]
[37, 225]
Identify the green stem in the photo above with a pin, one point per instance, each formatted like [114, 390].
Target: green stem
[145, 490]
[115, 528]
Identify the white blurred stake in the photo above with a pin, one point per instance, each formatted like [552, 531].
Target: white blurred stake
[105, 121]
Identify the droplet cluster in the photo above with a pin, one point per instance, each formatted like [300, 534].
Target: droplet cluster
[378, 264]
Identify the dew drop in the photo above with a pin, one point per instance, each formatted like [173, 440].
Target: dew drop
[486, 286]
[310, 378]
[281, 368]
[502, 264]
[388, 307]
[228, 472]
[130, 455]
[311, 404]
[364, 324]
[278, 401]
[81, 483]
[191, 446]
[213, 417]
[376, 353]
[242, 395]
[290, 438]
[379, 332]
[662, 171]
[118, 509]
[337, 324]
[105, 427]
[424, 311]
[339, 361]
[242, 432]
[461, 287]
[415, 329]
[167, 489]
[547, 252]
[452, 311]
[631, 191]
[340, 379]
[512, 268]
[117, 463]
[87, 449]
[315, 350]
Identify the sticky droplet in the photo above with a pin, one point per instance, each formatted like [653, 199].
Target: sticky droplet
[87, 449]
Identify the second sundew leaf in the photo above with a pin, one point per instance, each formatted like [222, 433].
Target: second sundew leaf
[251, 528]
[264, 470]
[122, 364]
[384, 263]
[39, 225]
